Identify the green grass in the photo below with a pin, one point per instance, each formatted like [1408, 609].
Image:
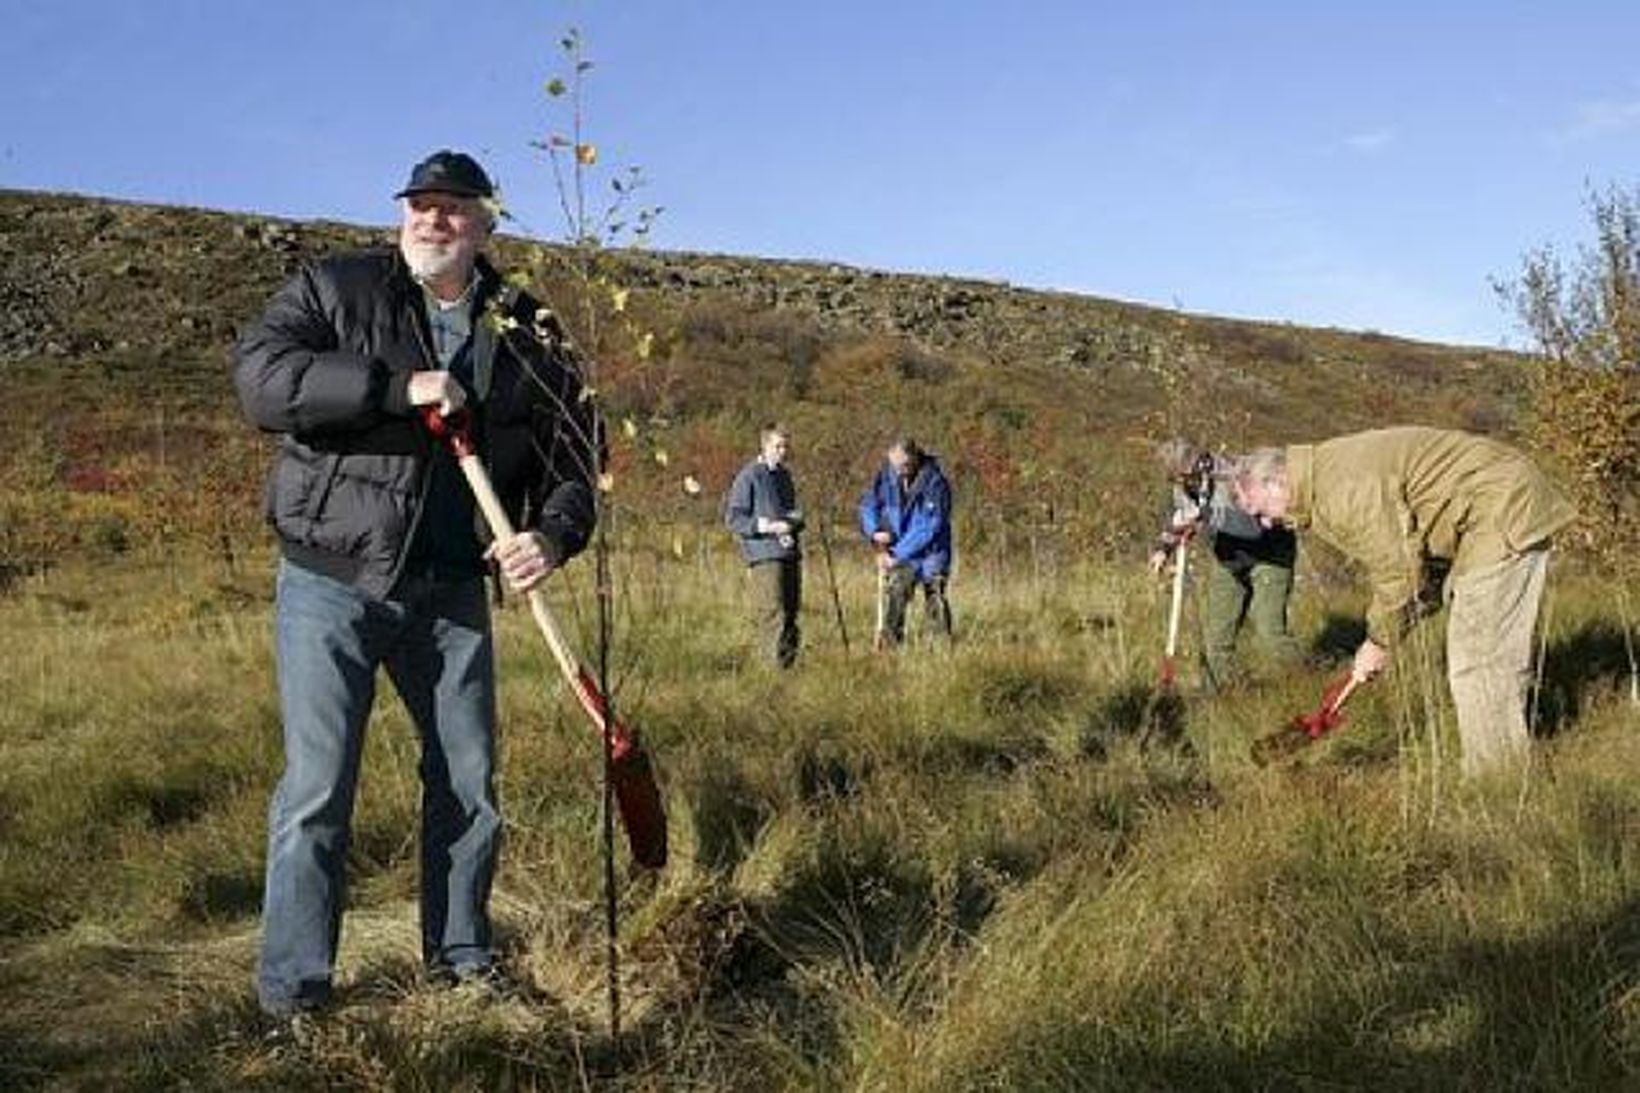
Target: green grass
[962, 868]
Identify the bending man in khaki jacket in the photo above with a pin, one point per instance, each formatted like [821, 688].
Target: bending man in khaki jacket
[1401, 501]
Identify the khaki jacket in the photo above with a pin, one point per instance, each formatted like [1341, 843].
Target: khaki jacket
[1393, 499]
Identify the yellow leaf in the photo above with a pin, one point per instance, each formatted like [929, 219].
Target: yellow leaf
[630, 428]
[645, 345]
[691, 485]
[661, 457]
[617, 299]
[606, 482]
[677, 545]
[586, 154]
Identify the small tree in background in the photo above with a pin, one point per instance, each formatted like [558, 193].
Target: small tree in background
[1584, 316]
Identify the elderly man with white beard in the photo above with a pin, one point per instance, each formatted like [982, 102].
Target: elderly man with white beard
[384, 558]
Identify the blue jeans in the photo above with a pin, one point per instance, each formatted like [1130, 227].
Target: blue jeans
[434, 640]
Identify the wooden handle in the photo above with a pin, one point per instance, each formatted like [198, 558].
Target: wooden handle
[1180, 554]
[495, 515]
[630, 776]
[1351, 682]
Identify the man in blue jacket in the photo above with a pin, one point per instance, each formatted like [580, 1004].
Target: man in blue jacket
[907, 516]
[761, 509]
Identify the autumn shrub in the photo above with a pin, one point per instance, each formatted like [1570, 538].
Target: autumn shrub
[1584, 317]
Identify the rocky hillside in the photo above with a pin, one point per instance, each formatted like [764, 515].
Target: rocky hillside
[119, 315]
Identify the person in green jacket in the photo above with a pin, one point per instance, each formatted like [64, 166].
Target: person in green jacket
[1404, 502]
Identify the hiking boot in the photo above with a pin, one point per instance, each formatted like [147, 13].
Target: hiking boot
[478, 980]
[291, 1030]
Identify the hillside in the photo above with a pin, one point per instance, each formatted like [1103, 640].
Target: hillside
[118, 320]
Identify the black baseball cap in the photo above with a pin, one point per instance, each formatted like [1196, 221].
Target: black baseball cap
[448, 172]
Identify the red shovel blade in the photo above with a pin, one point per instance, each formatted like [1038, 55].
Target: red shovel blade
[1308, 727]
[639, 800]
[632, 777]
[1330, 714]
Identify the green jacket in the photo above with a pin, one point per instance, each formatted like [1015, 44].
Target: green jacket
[1395, 499]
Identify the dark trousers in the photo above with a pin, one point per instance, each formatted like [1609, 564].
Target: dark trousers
[901, 585]
[777, 594]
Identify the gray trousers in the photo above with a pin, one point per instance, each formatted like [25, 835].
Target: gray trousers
[777, 595]
[1489, 633]
[899, 586]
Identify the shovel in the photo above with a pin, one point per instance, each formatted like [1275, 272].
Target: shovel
[879, 637]
[631, 776]
[1165, 710]
[1307, 728]
[1170, 668]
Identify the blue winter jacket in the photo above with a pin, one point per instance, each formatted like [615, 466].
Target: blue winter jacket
[919, 518]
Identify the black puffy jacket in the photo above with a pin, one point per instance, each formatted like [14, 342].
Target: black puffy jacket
[328, 369]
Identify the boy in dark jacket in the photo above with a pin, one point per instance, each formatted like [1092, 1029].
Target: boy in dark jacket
[761, 509]
[906, 514]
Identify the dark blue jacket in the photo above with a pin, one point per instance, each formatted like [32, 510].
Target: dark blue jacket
[919, 518]
[759, 491]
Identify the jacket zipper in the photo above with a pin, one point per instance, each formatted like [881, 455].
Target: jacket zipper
[429, 455]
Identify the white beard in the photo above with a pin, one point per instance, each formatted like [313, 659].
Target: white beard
[436, 261]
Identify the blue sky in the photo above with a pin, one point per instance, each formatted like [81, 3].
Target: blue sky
[1364, 165]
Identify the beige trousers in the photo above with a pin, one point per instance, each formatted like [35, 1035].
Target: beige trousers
[1493, 616]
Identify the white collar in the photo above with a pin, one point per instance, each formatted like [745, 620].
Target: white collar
[463, 302]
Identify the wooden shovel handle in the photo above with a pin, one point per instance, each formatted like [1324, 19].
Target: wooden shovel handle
[454, 431]
[636, 793]
[1175, 611]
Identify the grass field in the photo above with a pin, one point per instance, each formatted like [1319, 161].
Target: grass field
[956, 868]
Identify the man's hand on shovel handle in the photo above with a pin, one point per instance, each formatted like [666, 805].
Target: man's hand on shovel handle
[525, 559]
[439, 389]
[1370, 659]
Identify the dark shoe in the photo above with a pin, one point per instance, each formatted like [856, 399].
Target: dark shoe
[290, 1030]
[482, 980]
[308, 996]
